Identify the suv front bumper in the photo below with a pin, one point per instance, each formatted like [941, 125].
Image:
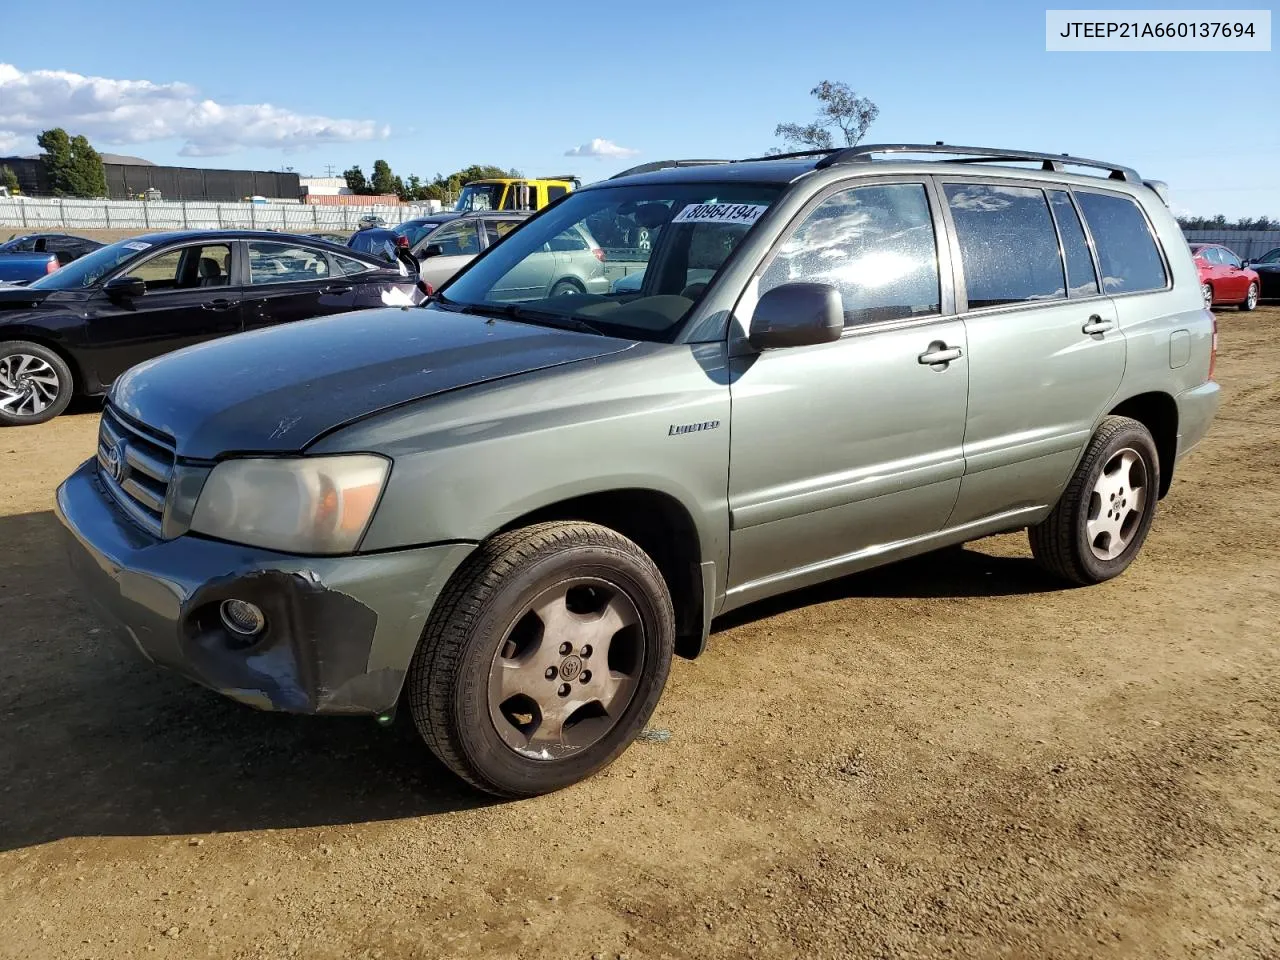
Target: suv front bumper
[340, 631]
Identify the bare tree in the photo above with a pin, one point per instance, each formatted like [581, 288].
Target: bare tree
[840, 109]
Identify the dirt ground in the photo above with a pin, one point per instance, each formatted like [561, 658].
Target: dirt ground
[953, 756]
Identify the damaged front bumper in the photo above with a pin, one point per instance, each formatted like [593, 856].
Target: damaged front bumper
[340, 631]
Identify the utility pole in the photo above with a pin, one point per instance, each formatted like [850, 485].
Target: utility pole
[328, 169]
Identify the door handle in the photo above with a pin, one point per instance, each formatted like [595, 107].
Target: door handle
[222, 303]
[338, 288]
[939, 354]
[1096, 325]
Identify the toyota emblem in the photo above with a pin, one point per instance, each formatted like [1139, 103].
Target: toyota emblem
[115, 463]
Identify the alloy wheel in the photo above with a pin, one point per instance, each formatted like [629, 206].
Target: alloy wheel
[566, 669]
[1117, 503]
[28, 385]
[1206, 291]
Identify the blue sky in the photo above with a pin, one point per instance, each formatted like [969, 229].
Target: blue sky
[517, 85]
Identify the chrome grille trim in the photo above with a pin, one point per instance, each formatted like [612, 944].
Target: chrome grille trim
[148, 465]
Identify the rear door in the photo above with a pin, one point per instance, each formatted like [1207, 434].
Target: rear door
[1046, 353]
[288, 281]
[190, 298]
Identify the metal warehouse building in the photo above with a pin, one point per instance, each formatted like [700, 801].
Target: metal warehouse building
[130, 180]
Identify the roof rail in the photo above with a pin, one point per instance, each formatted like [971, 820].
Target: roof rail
[794, 155]
[663, 165]
[1048, 161]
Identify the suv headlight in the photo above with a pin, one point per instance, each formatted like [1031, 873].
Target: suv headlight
[300, 505]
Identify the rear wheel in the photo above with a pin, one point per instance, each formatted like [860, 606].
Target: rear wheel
[1102, 519]
[1206, 292]
[565, 288]
[1251, 298]
[35, 384]
[543, 659]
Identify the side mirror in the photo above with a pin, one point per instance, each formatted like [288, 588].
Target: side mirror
[431, 250]
[797, 315]
[1246, 263]
[125, 288]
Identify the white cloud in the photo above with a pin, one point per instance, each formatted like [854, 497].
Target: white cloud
[600, 147]
[137, 111]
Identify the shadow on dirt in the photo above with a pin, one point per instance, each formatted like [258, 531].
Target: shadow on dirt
[98, 742]
[950, 573]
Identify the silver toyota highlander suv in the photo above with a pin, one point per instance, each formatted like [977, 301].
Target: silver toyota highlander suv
[507, 514]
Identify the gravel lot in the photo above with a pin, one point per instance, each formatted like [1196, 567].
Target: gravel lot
[951, 756]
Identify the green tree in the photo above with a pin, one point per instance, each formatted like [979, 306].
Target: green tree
[74, 168]
[839, 109]
[382, 180]
[9, 179]
[356, 182]
[90, 175]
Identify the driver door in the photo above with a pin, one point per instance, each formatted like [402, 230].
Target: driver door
[190, 298]
[459, 242]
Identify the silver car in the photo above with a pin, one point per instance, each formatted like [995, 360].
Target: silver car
[506, 512]
[571, 262]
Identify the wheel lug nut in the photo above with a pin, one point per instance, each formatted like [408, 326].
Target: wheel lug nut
[585, 676]
[551, 673]
[565, 649]
[586, 651]
[564, 690]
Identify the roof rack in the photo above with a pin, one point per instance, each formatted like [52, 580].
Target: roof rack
[663, 165]
[1048, 161]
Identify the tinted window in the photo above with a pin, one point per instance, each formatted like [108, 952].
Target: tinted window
[186, 268]
[457, 239]
[873, 244]
[1082, 279]
[555, 193]
[1271, 256]
[285, 263]
[1126, 249]
[567, 242]
[495, 230]
[1008, 247]
[348, 267]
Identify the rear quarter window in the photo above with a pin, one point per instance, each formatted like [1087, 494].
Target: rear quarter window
[1127, 251]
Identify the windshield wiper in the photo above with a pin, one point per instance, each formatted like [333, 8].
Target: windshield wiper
[515, 311]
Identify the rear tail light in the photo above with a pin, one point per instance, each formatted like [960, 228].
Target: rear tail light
[598, 254]
[52, 265]
[1213, 347]
[425, 288]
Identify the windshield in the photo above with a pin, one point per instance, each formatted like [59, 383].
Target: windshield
[565, 265]
[480, 196]
[92, 267]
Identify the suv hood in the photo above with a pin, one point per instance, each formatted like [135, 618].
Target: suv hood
[279, 390]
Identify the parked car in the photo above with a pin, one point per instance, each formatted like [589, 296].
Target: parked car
[414, 230]
[78, 329]
[29, 257]
[370, 220]
[514, 193]
[569, 263]
[330, 236]
[506, 514]
[1267, 267]
[1224, 279]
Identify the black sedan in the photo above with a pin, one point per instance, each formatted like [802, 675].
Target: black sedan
[79, 328]
[1267, 267]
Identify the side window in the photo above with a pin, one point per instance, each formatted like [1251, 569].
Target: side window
[495, 230]
[285, 263]
[1271, 256]
[1126, 250]
[510, 200]
[186, 268]
[348, 267]
[1008, 247]
[25, 245]
[1228, 258]
[875, 245]
[1082, 279]
[457, 239]
[555, 193]
[1211, 255]
[568, 241]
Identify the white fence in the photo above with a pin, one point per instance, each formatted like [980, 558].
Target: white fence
[41, 213]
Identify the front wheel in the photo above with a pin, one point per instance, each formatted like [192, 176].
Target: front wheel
[35, 384]
[1102, 519]
[1251, 298]
[1206, 292]
[544, 658]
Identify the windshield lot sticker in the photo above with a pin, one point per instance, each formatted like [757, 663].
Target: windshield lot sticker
[136, 245]
[747, 213]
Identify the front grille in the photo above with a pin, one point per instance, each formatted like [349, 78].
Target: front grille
[135, 467]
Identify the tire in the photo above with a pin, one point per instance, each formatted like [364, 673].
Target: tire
[483, 641]
[1251, 298]
[35, 384]
[564, 288]
[1063, 544]
[1206, 292]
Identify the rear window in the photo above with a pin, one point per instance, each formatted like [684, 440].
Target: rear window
[1008, 246]
[1126, 249]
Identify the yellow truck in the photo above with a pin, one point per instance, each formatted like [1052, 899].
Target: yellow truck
[514, 193]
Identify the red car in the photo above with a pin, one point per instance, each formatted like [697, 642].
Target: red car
[1223, 279]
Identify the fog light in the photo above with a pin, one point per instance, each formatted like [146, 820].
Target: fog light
[242, 618]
